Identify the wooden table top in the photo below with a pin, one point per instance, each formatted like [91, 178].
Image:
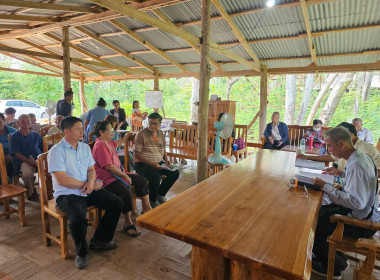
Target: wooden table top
[246, 213]
[291, 148]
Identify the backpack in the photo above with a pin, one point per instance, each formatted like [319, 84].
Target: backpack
[240, 143]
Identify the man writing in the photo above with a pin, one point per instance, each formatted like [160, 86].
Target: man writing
[276, 133]
[72, 167]
[357, 198]
[149, 153]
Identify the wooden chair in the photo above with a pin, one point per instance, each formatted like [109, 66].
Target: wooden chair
[241, 131]
[48, 207]
[44, 130]
[7, 192]
[90, 137]
[136, 124]
[378, 144]
[179, 122]
[364, 272]
[344, 244]
[50, 140]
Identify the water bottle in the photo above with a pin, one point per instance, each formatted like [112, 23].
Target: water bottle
[235, 147]
[302, 145]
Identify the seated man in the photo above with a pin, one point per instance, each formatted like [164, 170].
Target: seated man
[57, 128]
[73, 173]
[276, 133]
[25, 146]
[34, 125]
[149, 153]
[359, 145]
[363, 133]
[357, 198]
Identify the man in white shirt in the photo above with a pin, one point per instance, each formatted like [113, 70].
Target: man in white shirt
[57, 128]
[363, 133]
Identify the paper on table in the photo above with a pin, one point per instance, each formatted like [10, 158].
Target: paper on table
[305, 163]
[171, 168]
[305, 176]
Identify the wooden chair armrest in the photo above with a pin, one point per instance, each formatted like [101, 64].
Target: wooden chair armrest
[263, 139]
[355, 222]
[368, 243]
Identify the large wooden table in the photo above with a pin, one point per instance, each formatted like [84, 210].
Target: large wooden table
[291, 148]
[243, 222]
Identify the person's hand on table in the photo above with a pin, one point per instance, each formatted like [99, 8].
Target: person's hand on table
[318, 182]
[332, 171]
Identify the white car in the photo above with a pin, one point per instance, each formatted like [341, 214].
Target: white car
[23, 107]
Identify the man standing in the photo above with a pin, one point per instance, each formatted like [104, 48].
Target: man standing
[357, 198]
[149, 153]
[276, 133]
[72, 167]
[25, 146]
[363, 133]
[64, 105]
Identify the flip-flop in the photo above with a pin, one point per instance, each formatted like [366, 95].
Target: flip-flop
[133, 227]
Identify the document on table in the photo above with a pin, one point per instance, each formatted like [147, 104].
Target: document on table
[305, 163]
[306, 176]
[171, 168]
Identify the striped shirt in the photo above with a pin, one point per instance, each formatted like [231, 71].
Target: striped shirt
[365, 135]
[152, 149]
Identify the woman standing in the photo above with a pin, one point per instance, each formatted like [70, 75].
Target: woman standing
[119, 113]
[94, 115]
[109, 170]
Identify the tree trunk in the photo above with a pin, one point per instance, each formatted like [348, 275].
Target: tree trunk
[336, 95]
[230, 83]
[83, 104]
[194, 101]
[290, 100]
[366, 85]
[309, 84]
[324, 89]
[359, 79]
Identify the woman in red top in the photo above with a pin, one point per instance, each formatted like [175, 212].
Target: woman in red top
[109, 170]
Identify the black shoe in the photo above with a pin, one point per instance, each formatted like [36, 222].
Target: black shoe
[101, 245]
[81, 262]
[319, 269]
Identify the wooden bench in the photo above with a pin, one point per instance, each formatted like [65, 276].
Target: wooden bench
[183, 142]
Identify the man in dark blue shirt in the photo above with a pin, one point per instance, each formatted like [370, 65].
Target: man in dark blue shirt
[25, 146]
[64, 105]
[276, 133]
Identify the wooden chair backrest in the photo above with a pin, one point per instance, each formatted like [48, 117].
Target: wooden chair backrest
[296, 132]
[3, 167]
[50, 140]
[90, 136]
[183, 136]
[241, 131]
[136, 124]
[179, 122]
[44, 130]
[225, 144]
[128, 143]
[378, 144]
[46, 185]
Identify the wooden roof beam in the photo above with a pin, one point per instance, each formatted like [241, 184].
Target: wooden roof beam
[29, 18]
[235, 30]
[305, 14]
[147, 44]
[29, 72]
[116, 49]
[48, 6]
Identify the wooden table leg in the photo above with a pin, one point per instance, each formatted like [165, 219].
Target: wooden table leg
[21, 209]
[208, 265]
[6, 208]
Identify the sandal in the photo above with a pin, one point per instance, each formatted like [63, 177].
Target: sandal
[131, 227]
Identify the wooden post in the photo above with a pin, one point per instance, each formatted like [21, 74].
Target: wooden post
[204, 81]
[263, 99]
[66, 58]
[83, 104]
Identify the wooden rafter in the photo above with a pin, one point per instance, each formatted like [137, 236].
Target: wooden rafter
[51, 52]
[235, 30]
[29, 18]
[13, 26]
[29, 72]
[48, 6]
[170, 28]
[112, 47]
[147, 44]
[305, 14]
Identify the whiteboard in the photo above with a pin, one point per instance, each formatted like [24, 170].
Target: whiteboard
[153, 99]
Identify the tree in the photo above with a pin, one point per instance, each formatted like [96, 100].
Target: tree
[290, 99]
[335, 96]
[309, 84]
[194, 101]
[230, 83]
[324, 89]
[367, 79]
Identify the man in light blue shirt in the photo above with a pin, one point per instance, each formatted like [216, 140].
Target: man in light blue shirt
[357, 198]
[72, 167]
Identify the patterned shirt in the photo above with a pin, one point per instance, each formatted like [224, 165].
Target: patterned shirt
[152, 149]
[365, 135]
[275, 132]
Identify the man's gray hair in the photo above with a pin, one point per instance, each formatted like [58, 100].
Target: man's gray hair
[357, 120]
[339, 134]
[275, 113]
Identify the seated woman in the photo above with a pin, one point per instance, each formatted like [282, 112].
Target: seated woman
[109, 170]
[136, 111]
[4, 134]
[317, 134]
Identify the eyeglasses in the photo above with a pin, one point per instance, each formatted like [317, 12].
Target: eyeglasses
[154, 123]
[298, 190]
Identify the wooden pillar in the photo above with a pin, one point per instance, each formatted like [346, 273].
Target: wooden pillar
[156, 86]
[83, 104]
[263, 99]
[204, 81]
[66, 58]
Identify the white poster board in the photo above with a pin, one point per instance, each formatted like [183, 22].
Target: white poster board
[153, 99]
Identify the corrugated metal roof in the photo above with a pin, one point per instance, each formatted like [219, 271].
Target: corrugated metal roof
[286, 48]
[132, 23]
[288, 63]
[166, 69]
[235, 67]
[342, 60]
[242, 5]
[102, 27]
[121, 61]
[125, 42]
[163, 40]
[185, 57]
[95, 47]
[151, 58]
